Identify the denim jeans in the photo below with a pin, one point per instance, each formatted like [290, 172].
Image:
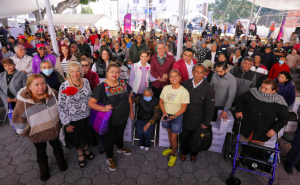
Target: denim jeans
[144, 137]
[270, 33]
[200, 30]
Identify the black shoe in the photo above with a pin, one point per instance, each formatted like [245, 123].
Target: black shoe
[297, 168]
[89, 156]
[288, 169]
[81, 163]
[102, 149]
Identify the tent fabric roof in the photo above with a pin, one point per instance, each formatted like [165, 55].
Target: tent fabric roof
[10, 8]
[195, 14]
[76, 19]
[167, 15]
[278, 4]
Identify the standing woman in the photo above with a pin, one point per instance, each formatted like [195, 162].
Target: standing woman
[117, 51]
[11, 81]
[116, 95]
[36, 117]
[173, 102]
[101, 64]
[140, 74]
[64, 58]
[74, 112]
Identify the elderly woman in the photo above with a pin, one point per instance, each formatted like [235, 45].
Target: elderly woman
[53, 78]
[201, 52]
[173, 102]
[263, 113]
[11, 81]
[117, 51]
[116, 95]
[101, 64]
[147, 114]
[67, 42]
[140, 74]
[89, 74]
[64, 58]
[236, 59]
[6, 53]
[35, 116]
[74, 112]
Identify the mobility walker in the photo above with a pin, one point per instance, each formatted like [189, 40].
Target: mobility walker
[252, 155]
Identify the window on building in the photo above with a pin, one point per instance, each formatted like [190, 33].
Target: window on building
[162, 1]
[136, 1]
[154, 8]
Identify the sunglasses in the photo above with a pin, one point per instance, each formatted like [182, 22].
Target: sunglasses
[85, 65]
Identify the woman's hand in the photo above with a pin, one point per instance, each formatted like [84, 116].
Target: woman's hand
[108, 108]
[15, 100]
[271, 133]
[9, 100]
[70, 128]
[165, 115]
[146, 127]
[239, 114]
[172, 117]
[131, 115]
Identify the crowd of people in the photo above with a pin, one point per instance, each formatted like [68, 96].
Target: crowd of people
[54, 93]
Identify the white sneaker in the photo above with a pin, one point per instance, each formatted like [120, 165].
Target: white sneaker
[142, 147]
[147, 148]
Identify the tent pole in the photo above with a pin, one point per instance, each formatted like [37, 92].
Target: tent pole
[247, 30]
[37, 3]
[51, 26]
[180, 30]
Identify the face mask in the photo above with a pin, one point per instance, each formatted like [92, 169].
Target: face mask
[232, 45]
[47, 71]
[250, 53]
[281, 61]
[240, 42]
[129, 66]
[42, 42]
[207, 42]
[149, 98]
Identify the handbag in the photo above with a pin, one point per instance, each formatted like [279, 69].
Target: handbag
[98, 119]
[201, 139]
[10, 114]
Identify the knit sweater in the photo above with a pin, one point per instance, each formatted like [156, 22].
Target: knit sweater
[35, 119]
[287, 91]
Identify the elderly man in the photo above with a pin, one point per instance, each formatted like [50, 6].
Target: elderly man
[42, 55]
[23, 62]
[279, 52]
[136, 49]
[255, 49]
[185, 64]
[267, 58]
[161, 64]
[224, 47]
[224, 84]
[199, 112]
[28, 47]
[245, 78]
[212, 55]
[75, 51]
[49, 51]
[231, 49]
[84, 47]
[199, 42]
[260, 70]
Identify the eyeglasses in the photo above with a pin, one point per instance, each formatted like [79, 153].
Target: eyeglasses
[42, 48]
[85, 65]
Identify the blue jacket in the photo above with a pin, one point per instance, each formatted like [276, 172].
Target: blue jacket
[190, 26]
[287, 91]
[129, 44]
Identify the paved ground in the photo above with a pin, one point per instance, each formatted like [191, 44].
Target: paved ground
[18, 166]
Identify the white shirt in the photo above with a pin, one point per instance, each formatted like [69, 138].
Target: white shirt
[213, 57]
[195, 86]
[189, 68]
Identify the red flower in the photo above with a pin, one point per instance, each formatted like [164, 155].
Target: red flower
[122, 81]
[105, 85]
[119, 89]
[115, 90]
[70, 91]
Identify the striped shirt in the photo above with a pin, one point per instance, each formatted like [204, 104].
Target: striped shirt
[64, 65]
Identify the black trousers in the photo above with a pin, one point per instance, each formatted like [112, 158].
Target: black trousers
[114, 135]
[156, 91]
[293, 156]
[185, 142]
[41, 153]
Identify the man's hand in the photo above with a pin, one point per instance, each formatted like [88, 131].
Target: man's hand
[165, 76]
[202, 126]
[24, 71]
[9, 100]
[271, 133]
[239, 114]
[224, 116]
[146, 127]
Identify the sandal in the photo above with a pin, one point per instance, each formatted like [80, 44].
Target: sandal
[81, 162]
[89, 156]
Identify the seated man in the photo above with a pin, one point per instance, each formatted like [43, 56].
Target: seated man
[22, 61]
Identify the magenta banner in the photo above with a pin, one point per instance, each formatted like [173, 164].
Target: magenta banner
[281, 30]
[127, 23]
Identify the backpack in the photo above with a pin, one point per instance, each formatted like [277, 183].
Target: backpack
[201, 139]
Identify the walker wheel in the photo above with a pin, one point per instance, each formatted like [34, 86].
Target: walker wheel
[226, 154]
[233, 181]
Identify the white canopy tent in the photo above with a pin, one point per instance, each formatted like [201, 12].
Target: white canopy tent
[10, 8]
[77, 19]
[167, 15]
[195, 14]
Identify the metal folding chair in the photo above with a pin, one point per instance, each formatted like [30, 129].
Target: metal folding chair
[137, 139]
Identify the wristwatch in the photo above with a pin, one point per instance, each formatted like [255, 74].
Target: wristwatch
[225, 110]
[175, 116]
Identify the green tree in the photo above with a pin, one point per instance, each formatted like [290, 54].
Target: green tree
[86, 10]
[229, 12]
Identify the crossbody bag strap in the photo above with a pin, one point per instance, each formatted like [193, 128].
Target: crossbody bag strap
[26, 113]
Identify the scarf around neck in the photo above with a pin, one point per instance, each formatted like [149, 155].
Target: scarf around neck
[268, 98]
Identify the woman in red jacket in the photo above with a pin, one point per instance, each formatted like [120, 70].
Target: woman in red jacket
[93, 38]
[278, 67]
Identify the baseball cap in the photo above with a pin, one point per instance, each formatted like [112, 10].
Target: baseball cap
[21, 37]
[40, 45]
[207, 63]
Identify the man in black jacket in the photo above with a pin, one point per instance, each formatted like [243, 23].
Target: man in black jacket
[212, 55]
[199, 112]
[84, 47]
[268, 59]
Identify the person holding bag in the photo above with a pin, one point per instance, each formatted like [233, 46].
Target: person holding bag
[35, 116]
[199, 112]
[74, 112]
[116, 95]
